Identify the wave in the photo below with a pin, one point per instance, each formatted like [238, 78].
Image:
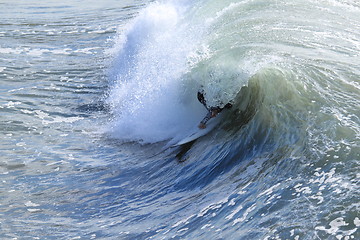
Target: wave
[173, 49]
[160, 62]
[293, 83]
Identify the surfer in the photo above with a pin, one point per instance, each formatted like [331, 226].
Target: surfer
[212, 111]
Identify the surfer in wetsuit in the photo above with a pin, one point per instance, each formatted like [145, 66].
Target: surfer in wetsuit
[213, 111]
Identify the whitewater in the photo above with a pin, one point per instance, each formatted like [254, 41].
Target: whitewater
[93, 96]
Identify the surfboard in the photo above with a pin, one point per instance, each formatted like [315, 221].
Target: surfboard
[197, 132]
[192, 137]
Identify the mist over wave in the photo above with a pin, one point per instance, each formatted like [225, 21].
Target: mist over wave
[149, 60]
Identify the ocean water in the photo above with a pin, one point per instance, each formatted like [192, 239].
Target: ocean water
[93, 95]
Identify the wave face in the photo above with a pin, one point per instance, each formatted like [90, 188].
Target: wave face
[283, 161]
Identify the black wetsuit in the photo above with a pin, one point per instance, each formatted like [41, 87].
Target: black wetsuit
[201, 99]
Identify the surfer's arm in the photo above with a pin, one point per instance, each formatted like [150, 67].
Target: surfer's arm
[203, 122]
[213, 112]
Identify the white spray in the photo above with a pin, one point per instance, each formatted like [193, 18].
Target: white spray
[148, 99]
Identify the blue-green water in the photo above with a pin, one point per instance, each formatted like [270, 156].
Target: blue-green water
[93, 94]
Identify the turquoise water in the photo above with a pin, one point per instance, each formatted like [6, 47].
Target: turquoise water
[93, 94]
